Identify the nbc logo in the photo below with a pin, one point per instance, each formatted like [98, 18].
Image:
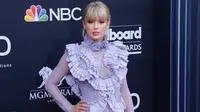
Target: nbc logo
[39, 14]
[36, 14]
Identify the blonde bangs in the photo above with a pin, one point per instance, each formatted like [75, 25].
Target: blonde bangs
[96, 13]
[96, 10]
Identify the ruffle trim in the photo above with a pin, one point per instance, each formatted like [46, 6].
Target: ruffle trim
[71, 81]
[101, 101]
[102, 98]
[84, 67]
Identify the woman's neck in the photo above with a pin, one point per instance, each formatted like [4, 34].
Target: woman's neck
[96, 45]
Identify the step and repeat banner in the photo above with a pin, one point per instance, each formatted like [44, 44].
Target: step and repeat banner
[33, 34]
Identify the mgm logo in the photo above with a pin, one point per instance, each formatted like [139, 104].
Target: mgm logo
[40, 93]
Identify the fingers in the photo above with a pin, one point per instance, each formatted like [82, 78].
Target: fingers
[81, 102]
[82, 106]
[83, 109]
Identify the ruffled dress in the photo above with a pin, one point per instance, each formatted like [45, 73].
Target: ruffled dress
[97, 70]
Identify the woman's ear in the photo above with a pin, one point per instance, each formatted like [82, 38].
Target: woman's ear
[108, 24]
[83, 24]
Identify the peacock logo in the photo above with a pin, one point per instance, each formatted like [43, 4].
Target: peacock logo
[36, 14]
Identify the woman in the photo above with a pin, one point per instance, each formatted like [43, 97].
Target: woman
[98, 68]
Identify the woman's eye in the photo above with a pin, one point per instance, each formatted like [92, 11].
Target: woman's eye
[101, 21]
[90, 21]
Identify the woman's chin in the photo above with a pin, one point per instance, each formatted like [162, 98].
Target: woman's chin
[97, 38]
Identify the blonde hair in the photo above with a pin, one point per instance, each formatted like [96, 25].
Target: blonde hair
[95, 10]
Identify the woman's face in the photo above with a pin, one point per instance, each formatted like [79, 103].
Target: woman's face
[96, 28]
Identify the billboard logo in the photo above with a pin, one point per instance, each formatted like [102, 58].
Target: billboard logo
[130, 35]
[8, 43]
[36, 13]
[136, 106]
[5, 50]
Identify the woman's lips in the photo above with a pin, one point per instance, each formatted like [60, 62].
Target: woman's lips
[95, 33]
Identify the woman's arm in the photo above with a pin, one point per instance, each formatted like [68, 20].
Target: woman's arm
[127, 96]
[57, 74]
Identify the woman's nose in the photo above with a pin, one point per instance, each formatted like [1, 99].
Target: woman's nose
[96, 25]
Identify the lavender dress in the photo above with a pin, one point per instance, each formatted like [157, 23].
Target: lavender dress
[97, 70]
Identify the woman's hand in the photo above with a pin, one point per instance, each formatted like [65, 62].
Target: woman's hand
[81, 107]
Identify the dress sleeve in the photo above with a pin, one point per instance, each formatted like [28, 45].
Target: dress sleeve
[123, 54]
[127, 96]
[53, 78]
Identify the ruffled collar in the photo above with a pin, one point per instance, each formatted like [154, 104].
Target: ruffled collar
[95, 45]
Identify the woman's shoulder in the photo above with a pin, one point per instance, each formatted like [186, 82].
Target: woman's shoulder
[73, 46]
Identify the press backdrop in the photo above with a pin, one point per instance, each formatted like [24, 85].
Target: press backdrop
[33, 34]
